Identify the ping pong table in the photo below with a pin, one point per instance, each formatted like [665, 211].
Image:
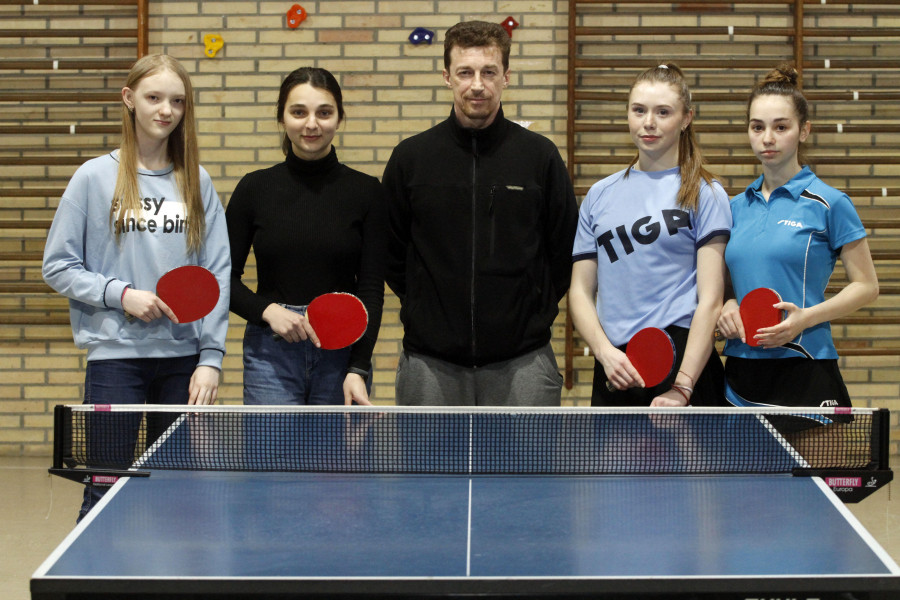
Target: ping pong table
[415, 503]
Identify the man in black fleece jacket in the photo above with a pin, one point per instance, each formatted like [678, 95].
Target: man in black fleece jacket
[483, 218]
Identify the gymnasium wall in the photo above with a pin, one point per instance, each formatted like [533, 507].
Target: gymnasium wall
[392, 89]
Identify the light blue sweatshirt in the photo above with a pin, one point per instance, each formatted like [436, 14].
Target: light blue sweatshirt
[83, 261]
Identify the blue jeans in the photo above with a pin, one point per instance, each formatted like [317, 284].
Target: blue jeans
[129, 381]
[280, 372]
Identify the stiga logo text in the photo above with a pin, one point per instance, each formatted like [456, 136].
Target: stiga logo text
[790, 223]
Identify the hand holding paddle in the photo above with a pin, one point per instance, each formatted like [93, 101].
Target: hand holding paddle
[145, 306]
[333, 321]
[757, 311]
[765, 321]
[338, 319]
[183, 295]
[288, 325]
[652, 354]
[190, 291]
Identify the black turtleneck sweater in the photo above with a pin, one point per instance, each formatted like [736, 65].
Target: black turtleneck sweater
[315, 227]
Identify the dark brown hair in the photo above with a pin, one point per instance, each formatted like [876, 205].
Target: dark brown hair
[318, 78]
[783, 80]
[474, 34]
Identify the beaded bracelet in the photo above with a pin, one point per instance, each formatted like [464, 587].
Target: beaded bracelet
[681, 390]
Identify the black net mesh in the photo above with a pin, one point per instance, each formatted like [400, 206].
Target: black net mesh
[561, 441]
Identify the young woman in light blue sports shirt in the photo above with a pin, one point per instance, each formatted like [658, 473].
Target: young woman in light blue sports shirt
[649, 253]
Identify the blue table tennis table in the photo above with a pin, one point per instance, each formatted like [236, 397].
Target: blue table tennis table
[464, 528]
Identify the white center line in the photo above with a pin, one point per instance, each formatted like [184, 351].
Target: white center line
[469, 537]
[469, 524]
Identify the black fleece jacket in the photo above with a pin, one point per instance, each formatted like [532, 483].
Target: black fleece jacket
[482, 226]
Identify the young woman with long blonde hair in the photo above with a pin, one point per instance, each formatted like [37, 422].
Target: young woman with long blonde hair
[125, 219]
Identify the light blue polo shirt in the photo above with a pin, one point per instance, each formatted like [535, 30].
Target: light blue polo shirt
[790, 244]
[646, 248]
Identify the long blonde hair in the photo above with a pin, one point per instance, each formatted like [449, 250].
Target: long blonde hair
[182, 149]
[690, 159]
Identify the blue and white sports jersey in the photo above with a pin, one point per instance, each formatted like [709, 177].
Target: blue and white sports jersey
[646, 248]
[790, 244]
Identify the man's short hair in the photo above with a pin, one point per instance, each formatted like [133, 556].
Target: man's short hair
[474, 34]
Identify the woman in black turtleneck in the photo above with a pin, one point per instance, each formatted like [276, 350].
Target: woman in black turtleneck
[316, 226]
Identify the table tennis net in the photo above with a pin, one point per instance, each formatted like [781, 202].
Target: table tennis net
[472, 441]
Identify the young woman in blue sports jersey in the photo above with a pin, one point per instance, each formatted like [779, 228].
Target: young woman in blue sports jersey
[649, 253]
[789, 230]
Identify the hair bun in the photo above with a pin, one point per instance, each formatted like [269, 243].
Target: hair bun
[783, 74]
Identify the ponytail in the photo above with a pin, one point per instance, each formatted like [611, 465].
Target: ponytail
[690, 159]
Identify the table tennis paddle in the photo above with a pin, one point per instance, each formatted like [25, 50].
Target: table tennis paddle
[190, 291]
[652, 352]
[757, 311]
[339, 319]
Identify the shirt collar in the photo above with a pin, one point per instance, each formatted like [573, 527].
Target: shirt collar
[307, 168]
[484, 137]
[793, 188]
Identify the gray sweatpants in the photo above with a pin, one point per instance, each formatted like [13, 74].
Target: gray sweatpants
[532, 379]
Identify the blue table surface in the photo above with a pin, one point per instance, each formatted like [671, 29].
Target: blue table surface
[296, 525]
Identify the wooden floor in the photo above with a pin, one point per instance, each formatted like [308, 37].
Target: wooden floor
[39, 511]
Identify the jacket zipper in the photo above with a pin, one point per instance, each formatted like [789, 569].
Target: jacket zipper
[474, 221]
